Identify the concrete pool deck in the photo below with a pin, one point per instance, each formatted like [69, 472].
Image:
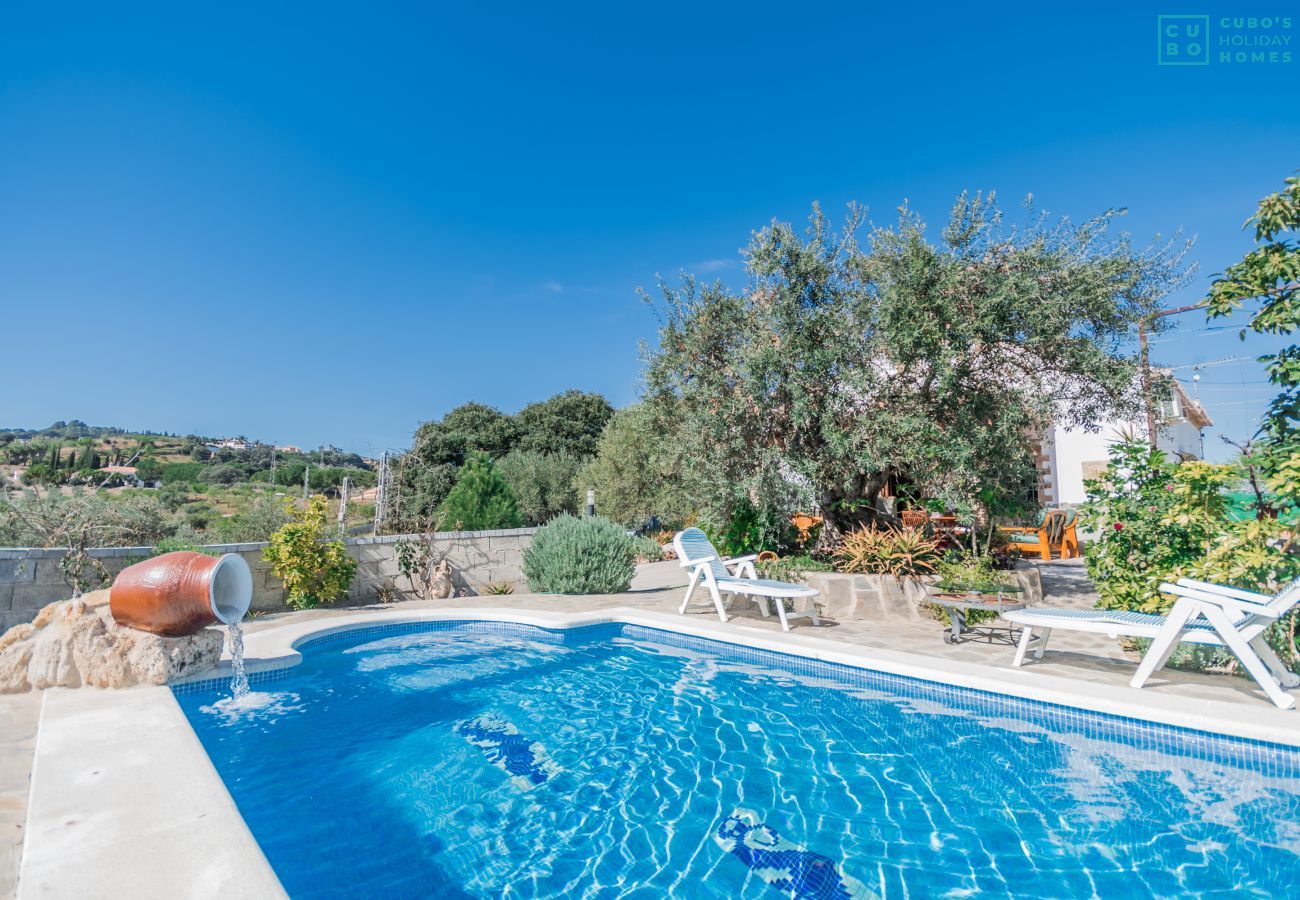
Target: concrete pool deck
[104, 818]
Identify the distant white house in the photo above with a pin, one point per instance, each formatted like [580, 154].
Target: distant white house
[229, 444]
[1067, 456]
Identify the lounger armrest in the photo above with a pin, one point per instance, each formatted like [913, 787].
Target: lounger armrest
[742, 566]
[685, 563]
[1210, 587]
[1231, 604]
[1019, 529]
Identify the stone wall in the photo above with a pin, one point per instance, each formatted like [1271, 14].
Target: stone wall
[30, 578]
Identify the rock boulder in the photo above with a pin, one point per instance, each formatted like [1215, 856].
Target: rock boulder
[76, 642]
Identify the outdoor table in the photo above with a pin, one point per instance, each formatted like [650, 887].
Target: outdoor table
[960, 597]
[947, 526]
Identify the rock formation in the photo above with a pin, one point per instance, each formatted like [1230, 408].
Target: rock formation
[76, 642]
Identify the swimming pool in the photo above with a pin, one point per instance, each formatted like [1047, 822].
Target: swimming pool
[463, 759]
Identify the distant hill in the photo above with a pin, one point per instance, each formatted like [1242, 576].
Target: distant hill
[70, 431]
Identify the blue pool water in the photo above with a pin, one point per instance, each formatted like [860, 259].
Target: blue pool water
[486, 760]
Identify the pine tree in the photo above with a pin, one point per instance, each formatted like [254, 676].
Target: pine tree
[481, 499]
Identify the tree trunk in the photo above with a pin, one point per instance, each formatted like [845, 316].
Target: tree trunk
[848, 507]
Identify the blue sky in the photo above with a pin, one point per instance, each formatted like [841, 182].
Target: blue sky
[331, 226]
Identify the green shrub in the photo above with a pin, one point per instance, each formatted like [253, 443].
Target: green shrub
[959, 571]
[580, 556]
[1136, 548]
[177, 473]
[792, 568]
[314, 569]
[481, 499]
[751, 530]
[1157, 520]
[647, 549]
[173, 545]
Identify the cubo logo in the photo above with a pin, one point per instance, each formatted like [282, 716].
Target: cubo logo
[1183, 40]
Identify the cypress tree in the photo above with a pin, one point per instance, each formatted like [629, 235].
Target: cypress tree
[481, 499]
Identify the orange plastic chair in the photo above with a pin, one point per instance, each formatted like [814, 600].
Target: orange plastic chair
[1057, 533]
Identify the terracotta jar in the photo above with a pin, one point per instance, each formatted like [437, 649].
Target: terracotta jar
[179, 593]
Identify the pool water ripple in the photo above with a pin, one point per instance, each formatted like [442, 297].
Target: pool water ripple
[464, 762]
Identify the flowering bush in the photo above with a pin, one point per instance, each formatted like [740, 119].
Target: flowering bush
[1135, 550]
[1158, 521]
[315, 569]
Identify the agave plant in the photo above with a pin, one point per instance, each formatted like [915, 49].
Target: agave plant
[879, 551]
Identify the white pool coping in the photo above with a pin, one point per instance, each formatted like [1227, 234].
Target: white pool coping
[126, 803]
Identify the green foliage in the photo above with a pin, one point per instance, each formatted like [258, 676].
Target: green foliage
[429, 470]
[81, 522]
[1159, 521]
[182, 473]
[637, 470]
[846, 365]
[468, 429]
[647, 550]
[480, 500]
[148, 469]
[1145, 526]
[748, 530]
[792, 568]
[564, 428]
[95, 519]
[964, 572]
[315, 569]
[499, 588]
[568, 423]
[222, 474]
[543, 483]
[572, 555]
[262, 518]
[290, 474]
[38, 474]
[883, 551]
[174, 545]
[1270, 275]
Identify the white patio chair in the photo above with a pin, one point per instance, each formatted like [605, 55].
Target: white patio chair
[731, 577]
[1204, 613]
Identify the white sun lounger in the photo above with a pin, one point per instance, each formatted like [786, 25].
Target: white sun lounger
[1204, 613]
[732, 577]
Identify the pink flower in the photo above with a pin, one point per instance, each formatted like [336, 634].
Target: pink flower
[1119, 526]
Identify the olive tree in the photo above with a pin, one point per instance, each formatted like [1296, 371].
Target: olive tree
[847, 364]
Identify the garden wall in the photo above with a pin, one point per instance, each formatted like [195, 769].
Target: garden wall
[30, 578]
[880, 597]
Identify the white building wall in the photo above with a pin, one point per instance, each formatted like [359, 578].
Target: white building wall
[1082, 455]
